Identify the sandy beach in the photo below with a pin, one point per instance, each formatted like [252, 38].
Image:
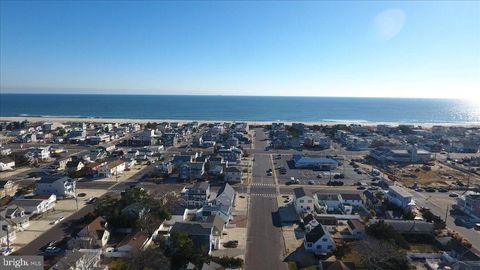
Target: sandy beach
[143, 121]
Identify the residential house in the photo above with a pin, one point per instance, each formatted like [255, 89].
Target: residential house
[179, 159]
[135, 210]
[41, 153]
[233, 175]
[196, 195]
[356, 228]
[133, 243]
[7, 232]
[201, 234]
[113, 168]
[61, 164]
[60, 185]
[319, 241]
[93, 169]
[304, 201]
[170, 139]
[353, 199]
[400, 197]
[191, 170]
[16, 215]
[93, 235]
[33, 206]
[232, 154]
[469, 203]
[8, 188]
[165, 168]
[312, 220]
[231, 142]
[74, 166]
[221, 206]
[331, 201]
[79, 260]
[371, 200]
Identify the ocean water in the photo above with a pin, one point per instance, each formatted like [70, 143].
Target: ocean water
[242, 108]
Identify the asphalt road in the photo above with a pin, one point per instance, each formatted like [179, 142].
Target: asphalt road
[265, 246]
[57, 232]
[440, 204]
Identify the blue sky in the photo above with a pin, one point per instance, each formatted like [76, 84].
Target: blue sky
[385, 49]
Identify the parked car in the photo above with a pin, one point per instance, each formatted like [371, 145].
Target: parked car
[53, 250]
[453, 195]
[5, 251]
[231, 244]
[91, 200]
[311, 182]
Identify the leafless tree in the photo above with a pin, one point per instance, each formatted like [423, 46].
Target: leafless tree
[378, 255]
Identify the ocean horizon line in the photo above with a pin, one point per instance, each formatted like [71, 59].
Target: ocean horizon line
[227, 95]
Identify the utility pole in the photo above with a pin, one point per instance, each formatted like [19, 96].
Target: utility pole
[76, 196]
[446, 214]
[8, 238]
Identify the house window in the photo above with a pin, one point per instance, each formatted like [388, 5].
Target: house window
[319, 246]
[329, 246]
[324, 240]
[310, 201]
[309, 244]
[301, 201]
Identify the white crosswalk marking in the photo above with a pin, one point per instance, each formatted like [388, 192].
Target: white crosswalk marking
[263, 185]
[263, 195]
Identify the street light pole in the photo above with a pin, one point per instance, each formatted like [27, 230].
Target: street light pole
[76, 196]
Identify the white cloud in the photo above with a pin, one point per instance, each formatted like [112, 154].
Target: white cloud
[389, 23]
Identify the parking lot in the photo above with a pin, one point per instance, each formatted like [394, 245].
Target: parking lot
[306, 176]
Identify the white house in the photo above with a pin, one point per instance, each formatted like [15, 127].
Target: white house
[353, 199]
[60, 185]
[332, 201]
[232, 175]
[113, 168]
[16, 215]
[33, 206]
[304, 202]
[311, 221]
[470, 204]
[42, 153]
[400, 197]
[319, 241]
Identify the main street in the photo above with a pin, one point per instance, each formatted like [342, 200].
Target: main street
[265, 246]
